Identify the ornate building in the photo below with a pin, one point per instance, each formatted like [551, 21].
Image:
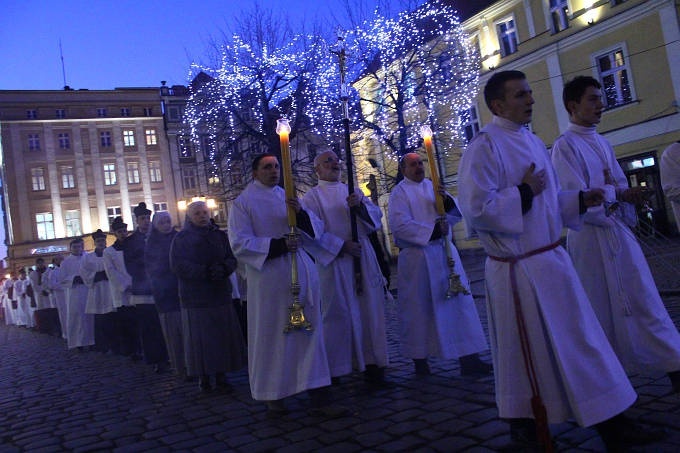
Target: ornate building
[72, 160]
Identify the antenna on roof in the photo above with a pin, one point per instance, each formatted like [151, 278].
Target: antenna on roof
[63, 67]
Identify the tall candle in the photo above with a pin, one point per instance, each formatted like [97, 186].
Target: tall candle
[283, 129]
[426, 132]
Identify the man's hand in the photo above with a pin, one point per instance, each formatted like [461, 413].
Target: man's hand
[351, 248]
[535, 179]
[294, 203]
[354, 200]
[593, 197]
[634, 195]
[443, 225]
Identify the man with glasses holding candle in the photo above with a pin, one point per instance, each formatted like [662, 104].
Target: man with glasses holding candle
[279, 364]
[432, 324]
[353, 324]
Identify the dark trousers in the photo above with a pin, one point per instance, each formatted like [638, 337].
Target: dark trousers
[127, 331]
[151, 334]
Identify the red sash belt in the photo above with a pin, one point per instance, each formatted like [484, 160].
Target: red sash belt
[537, 406]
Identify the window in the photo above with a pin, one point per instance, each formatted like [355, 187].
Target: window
[105, 139]
[68, 179]
[45, 225]
[109, 174]
[507, 36]
[125, 111]
[185, 149]
[60, 114]
[155, 171]
[33, 142]
[173, 113]
[31, 114]
[128, 137]
[559, 15]
[469, 122]
[148, 111]
[38, 178]
[158, 207]
[150, 135]
[613, 70]
[189, 178]
[101, 112]
[133, 172]
[112, 213]
[64, 140]
[73, 223]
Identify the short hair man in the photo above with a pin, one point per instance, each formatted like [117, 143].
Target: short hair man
[354, 324]
[432, 324]
[606, 255]
[547, 343]
[279, 365]
[79, 324]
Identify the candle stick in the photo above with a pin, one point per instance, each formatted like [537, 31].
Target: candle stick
[283, 129]
[426, 132]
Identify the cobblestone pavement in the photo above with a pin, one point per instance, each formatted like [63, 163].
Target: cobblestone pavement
[52, 399]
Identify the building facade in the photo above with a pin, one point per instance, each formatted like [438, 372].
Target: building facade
[73, 160]
[631, 46]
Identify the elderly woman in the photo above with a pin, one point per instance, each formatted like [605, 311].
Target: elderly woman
[165, 287]
[201, 258]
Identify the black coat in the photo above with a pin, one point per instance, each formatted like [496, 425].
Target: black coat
[164, 283]
[202, 260]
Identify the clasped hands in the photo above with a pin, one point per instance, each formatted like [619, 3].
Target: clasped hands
[538, 180]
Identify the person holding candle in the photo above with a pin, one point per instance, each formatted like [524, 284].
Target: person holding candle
[606, 254]
[432, 324]
[358, 317]
[279, 364]
[552, 360]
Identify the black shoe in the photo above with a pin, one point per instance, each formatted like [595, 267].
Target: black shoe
[276, 408]
[374, 376]
[328, 411]
[472, 365]
[619, 432]
[422, 368]
[222, 385]
[204, 384]
[674, 376]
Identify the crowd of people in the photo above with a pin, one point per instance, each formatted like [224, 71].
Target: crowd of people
[564, 325]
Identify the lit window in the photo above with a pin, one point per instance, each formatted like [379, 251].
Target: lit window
[616, 86]
[105, 139]
[469, 122]
[150, 135]
[189, 177]
[128, 137]
[125, 111]
[158, 207]
[112, 213]
[45, 225]
[559, 14]
[64, 140]
[101, 112]
[73, 223]
[60, 113]
[507, 36]
[34, 142]
[38, 178]
[109, 174]
[133, 172]
[31, 114]
[155, 171]
[68, 180]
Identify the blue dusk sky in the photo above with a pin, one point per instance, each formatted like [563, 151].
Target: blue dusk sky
[122, 43]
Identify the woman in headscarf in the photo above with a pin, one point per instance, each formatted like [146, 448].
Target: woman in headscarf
[202, 259]
[165, 287]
